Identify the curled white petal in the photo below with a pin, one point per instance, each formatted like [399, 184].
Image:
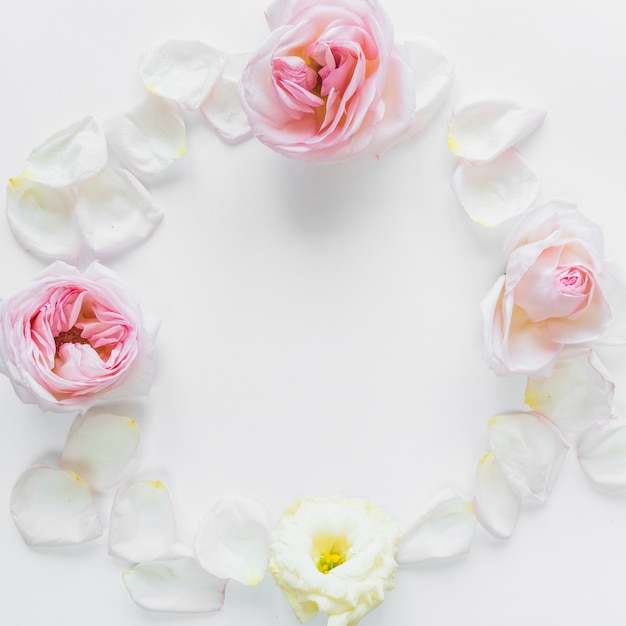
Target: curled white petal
[115, 211]
[444, 529]
[433, 72]
[222, 109]
[69, 157]
[142, 524]
[101, 449]
[53, 507]
[233, 540]
[178, 585]
[150, 137]
[530, 450]
[494, 191]
[184, 71]
[496, 505]
[578, 393]
[483, 128]
[602, 453]
[42, 219]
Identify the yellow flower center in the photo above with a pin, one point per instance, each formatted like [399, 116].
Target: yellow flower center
[330, 560]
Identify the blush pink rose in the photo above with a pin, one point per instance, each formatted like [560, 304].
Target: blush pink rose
[329, 82]
[69, 339]
[553, 294]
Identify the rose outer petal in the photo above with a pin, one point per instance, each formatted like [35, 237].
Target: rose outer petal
[483, 128]
[444, 529]
[494, 191]
[178, 585]
[42, 219]
[53, 507]
[101, 449]
[233, 540]
[70, 156]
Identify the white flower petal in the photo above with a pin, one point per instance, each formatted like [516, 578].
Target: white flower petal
[150, 137]
[602, 454]
[53, 507]
[101, 449]
[444, 529]
[42, 219]
[530, 450]
[482, 128]
[70, 156]
[115, 212]
[494, 191]
[142, 523]
[432, 71]
[496, 505]
[233, 540]
[222, 109]
[578, 393]
[178, 585]
[184, 71]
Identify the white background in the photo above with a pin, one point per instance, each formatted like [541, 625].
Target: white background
[320, 325]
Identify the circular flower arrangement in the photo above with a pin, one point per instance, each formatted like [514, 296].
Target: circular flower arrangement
[330, 82]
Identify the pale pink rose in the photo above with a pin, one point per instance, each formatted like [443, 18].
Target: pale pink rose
[69, 339]
[553, 293]
[328, 82]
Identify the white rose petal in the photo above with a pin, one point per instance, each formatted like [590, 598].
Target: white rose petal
[150, 137]
[179, 585]
[142, 524]
[578, 393]
[222, 109]
[433, 72]
[101, 449]
[69, 157]
[496, 505]
[42, 219]
[184, 71]
[602, 454]
[115, 212]
[53, 507]
[483, 128]
[444, 529]
[233, 540]
[530, 450]
[494, 191]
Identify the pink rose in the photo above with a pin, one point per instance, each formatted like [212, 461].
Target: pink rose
[329, 82]
[553, 294]
[68, 339]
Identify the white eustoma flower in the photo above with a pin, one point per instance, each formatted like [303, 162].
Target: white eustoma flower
[335, 555]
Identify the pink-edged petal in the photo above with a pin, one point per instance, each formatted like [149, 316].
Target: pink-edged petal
[222, 109]
[578, 393]
[530, 451]
[184, 71]
[53, 507]
[483, 128]
[178, 585]
[399, 114]
[602, 453]
[443, 529]
[42, 219]
[101, 449]
[496, 505]
[69, 157]
[150, 137]
[492, 192]
[233, 540]
[432, 72]
[142, 523]
[115, 212]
